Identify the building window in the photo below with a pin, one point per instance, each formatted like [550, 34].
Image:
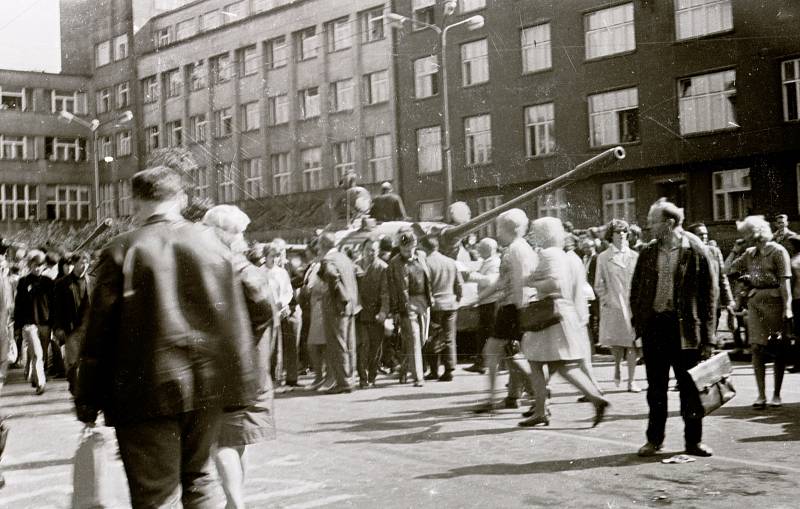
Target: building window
[311, 159]
[123, 95]
[695, 18]
[102, 54]
[426, 77]
[150, 89]
[186, 29]
[423, 12]
[226, 183]
[431, 210]
[309, 103]
[73, 102]
[197, 74]
[553, 204]
[475, 62]
[732, 194]
[248, 61]
[210, 21]
[790, 74]
[234, 12]
[265, 5]
[18, 202]
[478, 139]
[536, 51]
[706, 102]
[614, 117]
[429, 150]
[610, 31]
[200, 185]
[164, 37]
[278, 109]
[198, 126]
[376, 86]
[309, 43]
[65, 149]
[343, 159]
[251, 172]
[173, 82]
[251, 116]
[277, 52]
[281, 173]
[221, 70]
[223, 123]
[340, 34]
[372, 25]
[618, 201]
[485, 204]
[539, 130]
[472, 5]
[342, 97]
[107, 202]
[174, 133]
[14, 99]
[152, 140]
[103, 100]
[379, 157]
[68, 203]
[121, 47]
[104, 147]
[13, 147]
[123, 143]
[125, 207]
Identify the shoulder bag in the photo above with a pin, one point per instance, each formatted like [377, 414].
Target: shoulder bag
[712, 378]
[539, 315]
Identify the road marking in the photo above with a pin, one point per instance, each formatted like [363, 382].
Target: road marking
[320, 502]
[607, 441]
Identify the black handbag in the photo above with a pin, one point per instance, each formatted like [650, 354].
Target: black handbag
[539, 315]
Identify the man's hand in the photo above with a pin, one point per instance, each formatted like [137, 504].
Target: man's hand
[707, 351]
[86, 413]
[788, 314]
[285, 312]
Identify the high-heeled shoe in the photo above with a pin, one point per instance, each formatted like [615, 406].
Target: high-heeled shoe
[599, 412]
[535, 421]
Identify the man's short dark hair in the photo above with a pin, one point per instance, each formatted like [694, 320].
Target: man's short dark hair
[156, 184]
[429, 243]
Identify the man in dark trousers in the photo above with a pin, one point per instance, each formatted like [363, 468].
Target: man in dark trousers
[373, 291]
[672, 303]
[71, 298]
[168, 346]
[388, 206]
[339, 309]
[33, 316]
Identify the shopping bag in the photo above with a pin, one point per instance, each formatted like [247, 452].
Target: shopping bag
[90, 484]
[712, 378]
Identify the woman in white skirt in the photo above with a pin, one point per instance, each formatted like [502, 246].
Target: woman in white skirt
[612, 284]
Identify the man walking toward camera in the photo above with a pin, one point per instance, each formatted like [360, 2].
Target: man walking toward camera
[168, 347]
[672, 304]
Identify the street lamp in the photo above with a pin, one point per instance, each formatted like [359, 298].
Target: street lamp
[93, 126]
[472, 23]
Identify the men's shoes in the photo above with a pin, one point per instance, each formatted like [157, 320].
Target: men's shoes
[339, 390]
[432, 376]
[447, 376]
[511, 403]
[649, 449]
[40, 390]
[760, 404]
[699, 449]
[476, 368]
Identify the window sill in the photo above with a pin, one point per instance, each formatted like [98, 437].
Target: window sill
[223, 136]
[338, 112]
[611, 55]
[432, 96]
[281, 124]
[276, 67]
[536, 71]
[364, 43]
[307, 59]
[340, 50]
[703, 36]
[429, 173]
[479, 166]
[252, 130]
[474, 85]
[379, 103]
[249, 74]
[612, 145]
[700, 134]
[542, 156]
[306, 119]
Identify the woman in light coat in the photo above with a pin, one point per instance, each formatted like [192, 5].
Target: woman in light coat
[564, 345]
[612, 284]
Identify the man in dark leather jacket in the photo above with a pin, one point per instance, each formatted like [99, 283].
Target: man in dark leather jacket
[168, 346]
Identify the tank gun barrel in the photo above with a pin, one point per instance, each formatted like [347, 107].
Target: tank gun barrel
[580, 172]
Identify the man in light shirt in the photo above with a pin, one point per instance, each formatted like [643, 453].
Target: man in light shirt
[485, 276]
[286, 357]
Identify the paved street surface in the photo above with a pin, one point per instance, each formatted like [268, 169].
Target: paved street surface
[404, 447]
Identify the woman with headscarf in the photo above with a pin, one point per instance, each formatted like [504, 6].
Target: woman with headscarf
[766, 269]
[612, 283]
[561, 346]
[255, 423]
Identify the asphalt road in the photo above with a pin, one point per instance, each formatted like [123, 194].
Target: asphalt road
[403, 447]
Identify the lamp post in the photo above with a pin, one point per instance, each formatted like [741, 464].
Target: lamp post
[472, 23]
[93, 126]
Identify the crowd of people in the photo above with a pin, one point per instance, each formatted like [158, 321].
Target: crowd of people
[181, 329]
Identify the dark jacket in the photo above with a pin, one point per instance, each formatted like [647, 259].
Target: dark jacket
[373, 290]
[168, 330]
[34, 301]
[397, 277]
[694, 291]
[70, 303]
[388, 207]
[446, 282]
[338, 271]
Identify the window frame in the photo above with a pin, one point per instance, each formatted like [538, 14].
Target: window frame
[151, 89]
[677, 15]
[532, 48]
[103, 103]
[223, 122]
[553, 204]
[468, 63]
[341, 164]
[198, 126]
[368, 18]
[21, 95]
[275, 49]
[469, 141]
[226, 183]
[121, 144]
[305, 39]
[79, 205]
[726, 193]
[248, 65]
[308, 99]
[281, 180]
[423, 203]
[121, 42]
[376, 91]
[337, 93]
[423, 76]
[19, 144]
[728, 107]
[9, 205]
[627, 201]
[102, 54]
[614, 114]
[121, 93]
[336, 41]
[312, 175]
[278, 103]
[532, 145]
[245, 113]
[795, 81]
[608, 31]
[253, 185]
[434, 151]
[380, 167]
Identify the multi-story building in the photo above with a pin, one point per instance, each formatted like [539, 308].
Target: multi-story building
[703, 95]
[44, 172]
[277, 100]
